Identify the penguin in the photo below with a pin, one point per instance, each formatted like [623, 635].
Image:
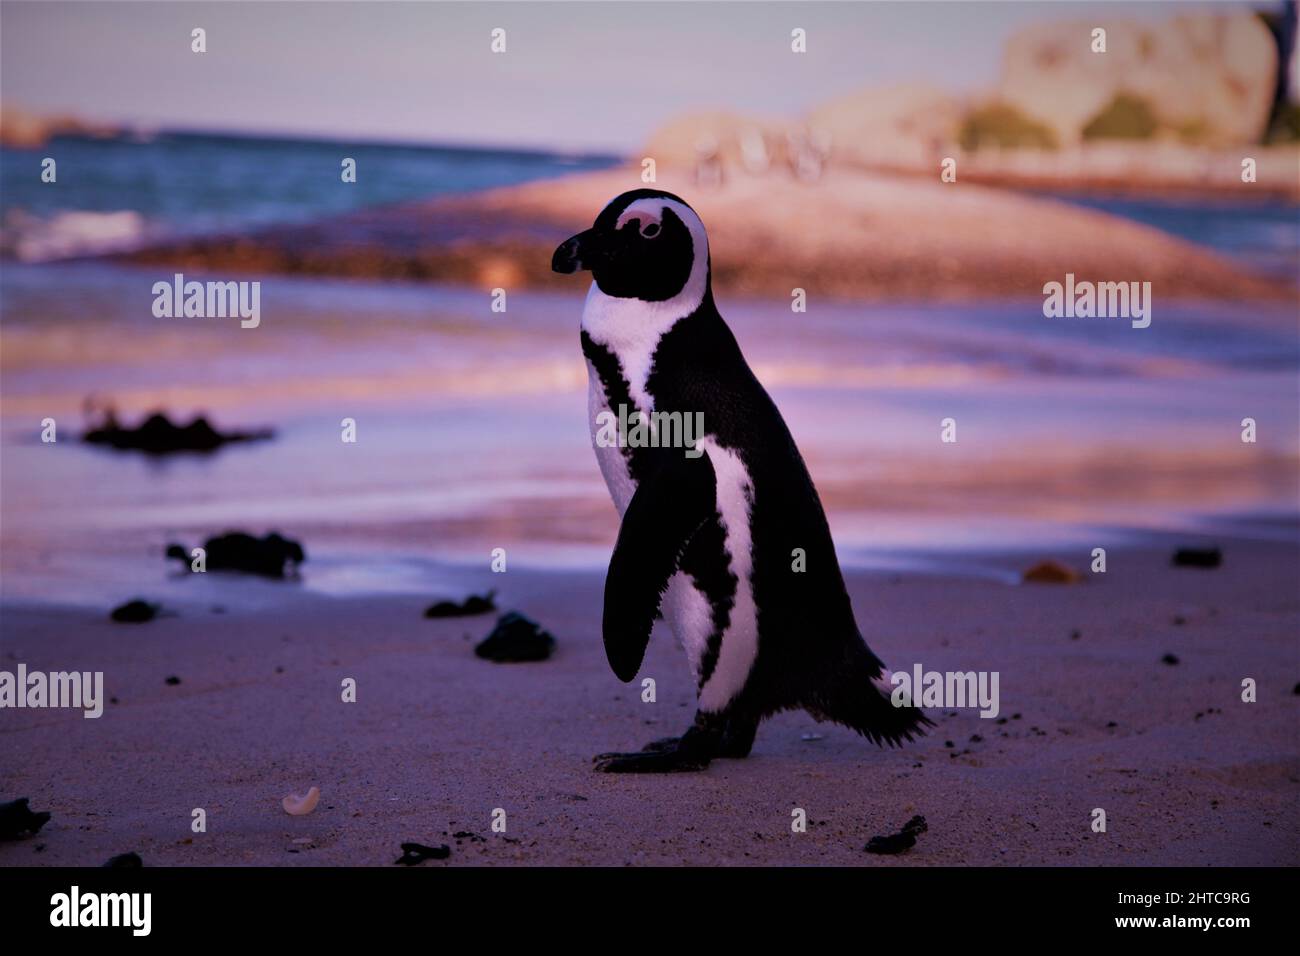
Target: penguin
[710, 535]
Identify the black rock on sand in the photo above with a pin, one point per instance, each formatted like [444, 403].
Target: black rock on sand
[474, 604]
[158, 435]
[134, 612]
[516, 639]
[18, 820]
[1197, 558]
[905, 839]
[271, 557]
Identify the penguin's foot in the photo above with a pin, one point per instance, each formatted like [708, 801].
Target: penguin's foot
[663, 743]
[692, 751]
[667, 757]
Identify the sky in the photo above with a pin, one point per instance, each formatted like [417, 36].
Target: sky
[576, 76]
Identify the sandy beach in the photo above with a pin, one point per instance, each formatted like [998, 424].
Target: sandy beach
[1014, 300]
[437, 739]
[473, 436]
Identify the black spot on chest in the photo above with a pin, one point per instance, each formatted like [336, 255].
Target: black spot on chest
[617, 393]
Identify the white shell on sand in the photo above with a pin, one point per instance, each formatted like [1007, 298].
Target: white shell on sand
[297, 806]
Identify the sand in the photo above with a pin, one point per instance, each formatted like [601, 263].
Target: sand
[1187, 773]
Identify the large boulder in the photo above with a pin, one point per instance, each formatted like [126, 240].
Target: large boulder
[898, 126]
[1210, 76]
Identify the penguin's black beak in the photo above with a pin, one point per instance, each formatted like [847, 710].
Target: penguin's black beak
[574, 253]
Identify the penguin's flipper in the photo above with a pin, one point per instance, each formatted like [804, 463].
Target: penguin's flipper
[669, 506]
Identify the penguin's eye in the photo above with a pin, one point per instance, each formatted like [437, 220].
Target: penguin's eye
[651, 230]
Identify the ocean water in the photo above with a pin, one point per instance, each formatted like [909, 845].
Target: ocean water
[471, 424]
[1263, 235]
[114, 194]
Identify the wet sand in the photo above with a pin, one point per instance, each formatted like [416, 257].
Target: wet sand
[438, 739]
[472, 427]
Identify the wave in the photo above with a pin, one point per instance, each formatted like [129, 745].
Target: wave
[71, 233]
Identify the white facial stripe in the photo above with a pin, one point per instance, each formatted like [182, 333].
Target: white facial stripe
[644, 217]
[632, 328]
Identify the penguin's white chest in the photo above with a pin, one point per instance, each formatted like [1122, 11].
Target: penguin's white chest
[686, 609]
[613, 464]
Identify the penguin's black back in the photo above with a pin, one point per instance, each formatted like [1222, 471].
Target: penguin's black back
[810, 652]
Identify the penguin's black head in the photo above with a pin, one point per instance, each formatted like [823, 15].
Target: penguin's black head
[646, 244]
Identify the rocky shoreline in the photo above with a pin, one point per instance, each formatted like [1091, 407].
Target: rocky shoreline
[849, 235]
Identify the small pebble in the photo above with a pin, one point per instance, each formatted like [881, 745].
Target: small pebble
[1051, 572]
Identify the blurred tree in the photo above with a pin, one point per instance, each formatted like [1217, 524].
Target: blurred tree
[1005, 127]
[1124, 117]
